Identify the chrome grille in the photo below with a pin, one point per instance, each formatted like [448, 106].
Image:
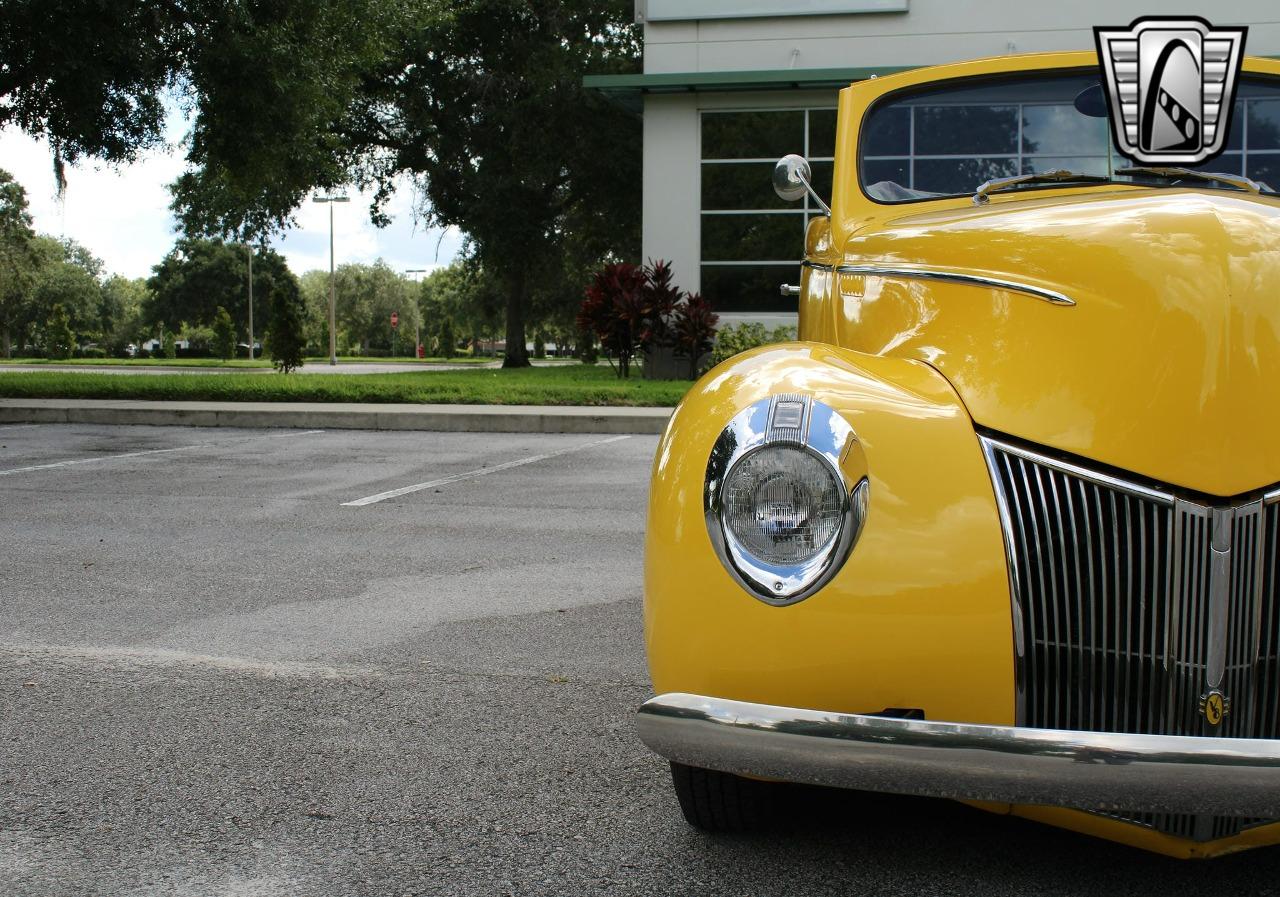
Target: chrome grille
[1131, 604]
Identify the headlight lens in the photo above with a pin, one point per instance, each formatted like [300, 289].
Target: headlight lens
[785, 496]
[783, 504]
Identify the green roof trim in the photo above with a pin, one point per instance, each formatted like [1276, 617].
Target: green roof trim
[774, 79]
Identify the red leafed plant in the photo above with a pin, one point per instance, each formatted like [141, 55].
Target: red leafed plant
[631, 309]
[614, 311]
[694, 329]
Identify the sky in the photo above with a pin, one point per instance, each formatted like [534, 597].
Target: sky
[122, 215]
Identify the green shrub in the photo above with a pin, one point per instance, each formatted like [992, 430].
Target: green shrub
[286, 338]
[741, 337]
[58, 338]
[224, 334]
[448, 341]
[93, 352]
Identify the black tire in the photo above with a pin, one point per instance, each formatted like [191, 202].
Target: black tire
[722, 802]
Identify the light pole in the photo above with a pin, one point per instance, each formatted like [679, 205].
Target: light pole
[250, 248]
[417, 330]
[333, 314]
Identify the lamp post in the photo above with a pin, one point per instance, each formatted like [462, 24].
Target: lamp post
[417, 330]
[333, 315]
[250, 248]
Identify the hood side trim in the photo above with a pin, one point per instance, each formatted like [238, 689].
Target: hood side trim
[1051, 296]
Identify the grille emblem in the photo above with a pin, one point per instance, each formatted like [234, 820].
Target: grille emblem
[1215, 706]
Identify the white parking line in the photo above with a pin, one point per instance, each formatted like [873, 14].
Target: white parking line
[472, 474]
[164, 451]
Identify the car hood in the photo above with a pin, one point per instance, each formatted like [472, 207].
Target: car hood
[1168, 363]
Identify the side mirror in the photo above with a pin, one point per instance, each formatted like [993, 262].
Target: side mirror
[793, 178]
[1092, 102]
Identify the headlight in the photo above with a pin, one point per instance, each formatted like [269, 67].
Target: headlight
[785, 497]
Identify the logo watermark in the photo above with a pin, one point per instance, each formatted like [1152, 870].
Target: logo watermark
[1170, 87]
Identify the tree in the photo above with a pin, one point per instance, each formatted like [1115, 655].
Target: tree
[66, 274]
[199, 276]
[479, 101]
[224, 334]
[92, 76]
[59, 341]
[448, 340]
[286, 325]
[16, 260]
[120, 312]
[367, 295]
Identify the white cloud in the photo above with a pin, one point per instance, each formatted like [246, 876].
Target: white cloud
[122, 215]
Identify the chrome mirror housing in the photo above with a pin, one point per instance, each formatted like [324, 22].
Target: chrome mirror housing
[793, 178]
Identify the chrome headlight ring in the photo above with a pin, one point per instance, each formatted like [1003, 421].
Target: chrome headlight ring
[788, 434]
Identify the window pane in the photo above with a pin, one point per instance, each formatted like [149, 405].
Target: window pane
[1083, 164]
[733, 238]
[1062, 131]
[823, 181]
[964, 130]
[1265, 167]
[749, 287]
[1264, 124]
[1227, 163]
[751, 135]
[897, 171]
[960, 175]
[740, 185]
[822, 133]
[888, 132]
[1236, 138]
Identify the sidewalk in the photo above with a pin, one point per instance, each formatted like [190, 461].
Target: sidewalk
[320, 415]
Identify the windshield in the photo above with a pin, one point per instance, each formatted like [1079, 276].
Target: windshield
[946, 142]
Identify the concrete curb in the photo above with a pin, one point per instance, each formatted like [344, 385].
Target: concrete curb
[337, 416]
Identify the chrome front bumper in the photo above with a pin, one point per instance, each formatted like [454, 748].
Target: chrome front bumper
[1005, 764]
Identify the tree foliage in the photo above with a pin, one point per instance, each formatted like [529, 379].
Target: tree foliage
[365, 297]
[224, 334]
[286, 325]
[16, 258]
[59, 341]
[479, 102]
[197, 277]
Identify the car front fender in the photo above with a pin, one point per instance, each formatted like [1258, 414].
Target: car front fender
[917, 618]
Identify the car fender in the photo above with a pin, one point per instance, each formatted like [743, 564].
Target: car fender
[919, 615]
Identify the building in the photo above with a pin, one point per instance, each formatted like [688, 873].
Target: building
[729, 86]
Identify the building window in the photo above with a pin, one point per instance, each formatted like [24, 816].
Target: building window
[752, 241]
[1253, 146]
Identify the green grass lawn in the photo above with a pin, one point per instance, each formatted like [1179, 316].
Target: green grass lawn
[557, 385]
[237, 363]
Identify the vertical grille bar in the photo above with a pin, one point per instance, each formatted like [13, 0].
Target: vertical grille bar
[1115, 602]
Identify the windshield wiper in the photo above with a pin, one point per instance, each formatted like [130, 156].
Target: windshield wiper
[1182, 174]
[981, 195]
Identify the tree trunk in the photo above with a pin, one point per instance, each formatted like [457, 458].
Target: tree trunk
[8, 346]
[517, 356]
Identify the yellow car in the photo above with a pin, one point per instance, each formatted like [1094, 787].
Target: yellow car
[1004, 524]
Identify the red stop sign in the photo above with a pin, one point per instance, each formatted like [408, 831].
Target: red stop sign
[395, 319]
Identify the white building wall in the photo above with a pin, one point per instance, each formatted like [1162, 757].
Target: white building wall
[930, 32]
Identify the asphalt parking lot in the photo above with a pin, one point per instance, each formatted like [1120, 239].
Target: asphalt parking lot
[250, 662]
